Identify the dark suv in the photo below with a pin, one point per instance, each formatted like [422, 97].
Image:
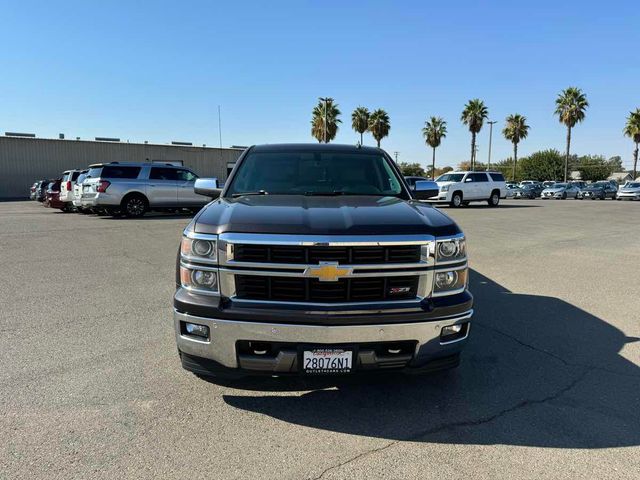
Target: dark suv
[319, 260]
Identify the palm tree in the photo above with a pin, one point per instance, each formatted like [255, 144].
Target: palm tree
[475, 112]
[379, 124]
[516, 129]
[325, 117]
[570, 108]
[435, 129]
[360, 121]
[632, 130]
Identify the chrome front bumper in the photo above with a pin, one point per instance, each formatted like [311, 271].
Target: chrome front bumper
[224, 335]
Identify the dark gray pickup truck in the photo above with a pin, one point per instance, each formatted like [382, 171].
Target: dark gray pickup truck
[319, 260]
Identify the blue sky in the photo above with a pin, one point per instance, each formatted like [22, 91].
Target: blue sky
[158, 70]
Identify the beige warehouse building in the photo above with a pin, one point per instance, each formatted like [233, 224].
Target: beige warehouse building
[24, 160]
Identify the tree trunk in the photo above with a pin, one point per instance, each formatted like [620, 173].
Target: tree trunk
[378, 140]
[433, 164]
[566, 160]
[473, 150]
[361, 140]
[635, 161]
[515, 160]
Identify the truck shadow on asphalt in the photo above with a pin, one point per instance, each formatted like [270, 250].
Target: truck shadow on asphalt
[537, 371]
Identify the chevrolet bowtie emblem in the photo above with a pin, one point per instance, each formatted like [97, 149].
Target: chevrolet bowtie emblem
[328, 272]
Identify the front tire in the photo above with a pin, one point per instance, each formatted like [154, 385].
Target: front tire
[135, 206]
[494, 199]
[456, 200]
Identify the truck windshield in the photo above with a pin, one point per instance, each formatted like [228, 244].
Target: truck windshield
[314, 173]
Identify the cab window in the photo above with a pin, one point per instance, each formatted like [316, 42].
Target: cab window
[186, 175]
[163, 173]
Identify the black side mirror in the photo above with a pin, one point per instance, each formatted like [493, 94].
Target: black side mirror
[425, 189]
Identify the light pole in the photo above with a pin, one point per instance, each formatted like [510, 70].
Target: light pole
[490, 135]
[396, 155]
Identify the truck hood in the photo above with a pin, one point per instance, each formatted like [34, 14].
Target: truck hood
[308, 215]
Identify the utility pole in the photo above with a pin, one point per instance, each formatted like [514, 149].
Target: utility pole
[220, 126]
[490, 135]
[396, 155]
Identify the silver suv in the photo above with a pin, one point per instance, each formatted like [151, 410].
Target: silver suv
[132, 189]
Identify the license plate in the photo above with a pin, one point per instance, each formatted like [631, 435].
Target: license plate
[327, 361]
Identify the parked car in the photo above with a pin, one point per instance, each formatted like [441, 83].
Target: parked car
[529, 190]
[41, 190]
[52, 198]
[600, 190]
[511, 189]
[66, 187]
[548, 184]
[132, 189]
[460, 188]
[560, 191]
[32, 191]
[330, 207]
[631, 191]
[578, 183]
[529, 182]
[77, 192]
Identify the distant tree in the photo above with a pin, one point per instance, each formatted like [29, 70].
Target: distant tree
[411, 169]
[515, 129]
[435, 129]
[594, 167]
[632, 130]
[438, 171]
[473, 115]
[616, 163]
[505, 167]
[360, 121]
[467, 166]
[318, 120]
[542, 165]
[379, 124]
[571, 105]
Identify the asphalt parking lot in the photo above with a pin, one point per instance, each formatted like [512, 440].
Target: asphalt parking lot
[91, 386]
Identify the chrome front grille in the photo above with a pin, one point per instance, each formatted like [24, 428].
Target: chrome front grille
[282, 268]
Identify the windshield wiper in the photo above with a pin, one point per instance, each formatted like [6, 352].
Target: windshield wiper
[335, 193]
[259, 192]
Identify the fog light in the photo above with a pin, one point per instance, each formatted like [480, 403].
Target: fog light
[445, 280]
[205, 278]
[197, 330]
[453, 332]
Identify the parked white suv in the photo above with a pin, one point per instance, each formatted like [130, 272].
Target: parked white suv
[69, 178]
[460, 188]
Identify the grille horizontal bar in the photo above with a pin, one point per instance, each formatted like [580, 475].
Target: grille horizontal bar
[357, 255]
[299, 289]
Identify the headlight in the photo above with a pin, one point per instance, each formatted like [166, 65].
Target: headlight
[199, 248]
[450, 281]
[444, 188]
[450, 250]
[199, 279]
